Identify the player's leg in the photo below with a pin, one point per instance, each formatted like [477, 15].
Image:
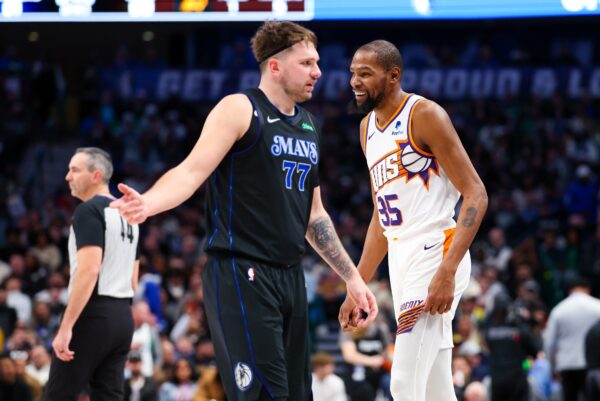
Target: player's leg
[415, 353]
[439, 384]
[295, 333]
[246, 325]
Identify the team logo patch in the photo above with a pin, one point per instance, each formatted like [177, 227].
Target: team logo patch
[409, 313]
[243, 376]
[251, 274]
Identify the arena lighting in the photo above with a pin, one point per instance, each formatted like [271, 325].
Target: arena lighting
[580, 5]
[423, 7]
[75, 8]
[12, 8]
[141, 8]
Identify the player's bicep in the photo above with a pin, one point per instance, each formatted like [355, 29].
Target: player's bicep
[226, 124]
[434, 128]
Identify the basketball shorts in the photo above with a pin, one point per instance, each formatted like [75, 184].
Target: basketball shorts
[258, 318]
[421, 368]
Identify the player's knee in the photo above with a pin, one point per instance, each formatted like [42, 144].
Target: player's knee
[403, 388]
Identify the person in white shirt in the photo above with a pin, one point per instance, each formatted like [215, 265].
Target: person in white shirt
[326, 386]
[564, 338]
[39, 368]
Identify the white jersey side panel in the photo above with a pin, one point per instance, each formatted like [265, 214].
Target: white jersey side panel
[413, 193]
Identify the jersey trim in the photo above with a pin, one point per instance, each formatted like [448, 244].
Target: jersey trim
[364, 131]
[448, 237]
[393, 117]
[410, 137]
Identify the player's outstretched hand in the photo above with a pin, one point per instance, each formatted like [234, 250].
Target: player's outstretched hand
[131, 205]
[441, 292]
[364, 300]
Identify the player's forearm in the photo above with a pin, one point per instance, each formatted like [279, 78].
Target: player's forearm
[82, 287]
[323, 238]
[471, 214]
[172, 189]
[374, 250]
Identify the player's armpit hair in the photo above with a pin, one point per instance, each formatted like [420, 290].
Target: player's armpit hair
[322, 233]
[470, 215]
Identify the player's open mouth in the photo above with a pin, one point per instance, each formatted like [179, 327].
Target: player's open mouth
[360, 95]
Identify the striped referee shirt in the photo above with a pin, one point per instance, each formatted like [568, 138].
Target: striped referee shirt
[95, 223]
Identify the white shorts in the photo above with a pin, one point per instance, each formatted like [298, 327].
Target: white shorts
[421, 369]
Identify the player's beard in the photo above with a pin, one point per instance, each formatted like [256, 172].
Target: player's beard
[367, 106]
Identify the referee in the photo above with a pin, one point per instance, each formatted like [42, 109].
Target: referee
[95, 333]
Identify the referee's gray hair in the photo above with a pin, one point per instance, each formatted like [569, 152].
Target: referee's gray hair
[98, 159]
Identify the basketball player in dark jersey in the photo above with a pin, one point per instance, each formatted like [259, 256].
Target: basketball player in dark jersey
[259, 152]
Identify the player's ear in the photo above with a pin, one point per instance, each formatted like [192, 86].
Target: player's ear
[273, 66]
[395, 75]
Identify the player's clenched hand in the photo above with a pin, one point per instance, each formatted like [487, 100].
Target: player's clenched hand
[441, 292]
[60, 344]
[364, 300]
[131, 205]
[348, 315]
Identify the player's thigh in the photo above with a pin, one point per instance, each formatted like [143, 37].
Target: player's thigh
[246, 317]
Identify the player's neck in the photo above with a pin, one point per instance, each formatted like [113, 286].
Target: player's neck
[389, 105]
[278, 97]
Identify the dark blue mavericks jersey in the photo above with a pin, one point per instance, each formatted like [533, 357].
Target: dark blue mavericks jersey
[259, 197]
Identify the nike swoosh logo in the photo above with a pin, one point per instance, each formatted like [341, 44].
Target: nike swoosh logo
[425, 247]
[272, 120]
[371, 136]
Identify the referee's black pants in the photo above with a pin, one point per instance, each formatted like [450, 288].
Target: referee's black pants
[101, 340]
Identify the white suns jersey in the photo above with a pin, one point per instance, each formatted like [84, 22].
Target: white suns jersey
[412, 191]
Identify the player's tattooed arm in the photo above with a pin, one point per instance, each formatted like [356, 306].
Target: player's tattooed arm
[322, 236]
[470, 216]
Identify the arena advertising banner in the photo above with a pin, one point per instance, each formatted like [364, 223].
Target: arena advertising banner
[436, 83]
[296, 10]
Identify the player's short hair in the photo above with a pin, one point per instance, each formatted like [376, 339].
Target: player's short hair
[98, 159]
[387, 54]
[275, 36]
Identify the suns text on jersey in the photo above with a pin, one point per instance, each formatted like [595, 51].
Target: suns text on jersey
[386, 170]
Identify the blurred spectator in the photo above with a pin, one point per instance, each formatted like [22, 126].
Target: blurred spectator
[498, 253]
[564, 340]
[365, 352]
[20, 362]
[18, 300]
[510, 344]
[326, 385]
[8, 317]
[145, 338]
[581, 195]
[39, 366]
[12, 387]
[210, 387]
[138, 387]
[476, 391]
[592, 359]
[181, 385]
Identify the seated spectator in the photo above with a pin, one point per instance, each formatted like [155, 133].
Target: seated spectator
[210, 387]
[12, 387]
[39, 364]
[326, 386]
[138, 387]
[181, 386]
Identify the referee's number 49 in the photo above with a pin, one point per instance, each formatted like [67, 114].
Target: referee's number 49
[129, 233]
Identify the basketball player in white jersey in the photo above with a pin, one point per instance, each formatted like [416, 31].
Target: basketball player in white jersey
[418, 170]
